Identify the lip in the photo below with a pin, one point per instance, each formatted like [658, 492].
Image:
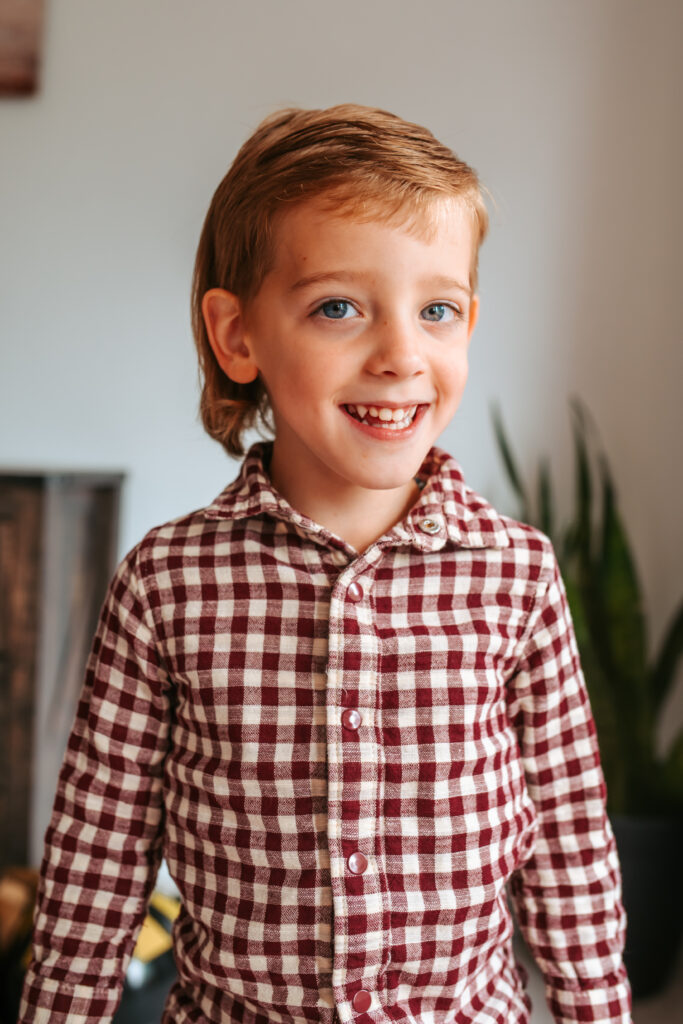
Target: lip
[408, 404]
[382, 433]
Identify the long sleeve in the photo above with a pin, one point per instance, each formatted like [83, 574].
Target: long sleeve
[567, 897]
[103, 844]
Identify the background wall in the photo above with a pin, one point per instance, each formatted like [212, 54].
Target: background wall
[571, 114]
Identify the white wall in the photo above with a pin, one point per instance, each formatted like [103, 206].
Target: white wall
[571, 114]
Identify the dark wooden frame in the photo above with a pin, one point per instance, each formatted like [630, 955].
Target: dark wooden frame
[58, 536]
[21, 31]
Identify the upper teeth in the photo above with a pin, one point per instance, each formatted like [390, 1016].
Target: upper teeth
[383, 413]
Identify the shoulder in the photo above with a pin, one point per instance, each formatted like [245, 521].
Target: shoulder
[197, 537]
[185, 541]
[474, 523]
[185, 550]
[528, 544]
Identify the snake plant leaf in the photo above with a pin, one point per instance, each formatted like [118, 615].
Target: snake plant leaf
[667, 660]
[510, 463]
[606, 605]
[602, 699]
[545, 499]
[623, 627]
[581, 530]
[672, 775]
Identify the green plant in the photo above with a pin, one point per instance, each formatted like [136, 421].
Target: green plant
[627, 692]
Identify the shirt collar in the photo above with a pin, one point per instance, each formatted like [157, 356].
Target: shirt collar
[446, 510]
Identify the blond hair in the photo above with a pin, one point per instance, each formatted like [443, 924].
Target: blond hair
[367, 163]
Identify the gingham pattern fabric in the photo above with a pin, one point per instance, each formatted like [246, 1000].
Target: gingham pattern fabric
[335, 867]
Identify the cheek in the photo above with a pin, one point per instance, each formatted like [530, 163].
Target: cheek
[295, 382]
[455, 375]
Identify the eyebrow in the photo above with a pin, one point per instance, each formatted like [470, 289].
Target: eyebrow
[355, 275]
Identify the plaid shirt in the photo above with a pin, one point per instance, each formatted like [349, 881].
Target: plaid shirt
[343, 758]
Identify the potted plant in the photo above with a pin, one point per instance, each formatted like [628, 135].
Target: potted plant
[627, 692]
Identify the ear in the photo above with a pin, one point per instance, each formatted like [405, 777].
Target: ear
[224, 321]
[474, 315]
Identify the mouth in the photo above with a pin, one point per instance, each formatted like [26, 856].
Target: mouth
[386, 421]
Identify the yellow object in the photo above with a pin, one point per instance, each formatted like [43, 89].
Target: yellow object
[17, 897]
[153, 941]
[166, 905]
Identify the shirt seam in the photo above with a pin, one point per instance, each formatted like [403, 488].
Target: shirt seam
[40, 971]
[140, 590]
[542, 588]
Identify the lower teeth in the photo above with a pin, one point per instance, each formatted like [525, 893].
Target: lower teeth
[395, 425]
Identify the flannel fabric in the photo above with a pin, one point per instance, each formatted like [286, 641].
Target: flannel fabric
[343, 758]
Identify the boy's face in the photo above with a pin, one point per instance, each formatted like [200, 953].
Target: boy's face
[385, 334]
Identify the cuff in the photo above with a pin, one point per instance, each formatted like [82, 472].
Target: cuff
[49, 1001]
[607, 1003]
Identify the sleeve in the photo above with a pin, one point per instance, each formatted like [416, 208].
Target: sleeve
[567, 896]
[103, 843]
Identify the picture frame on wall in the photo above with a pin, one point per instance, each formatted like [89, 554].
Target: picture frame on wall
[21, 25]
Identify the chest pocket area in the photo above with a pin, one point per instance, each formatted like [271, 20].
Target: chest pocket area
[253, 763]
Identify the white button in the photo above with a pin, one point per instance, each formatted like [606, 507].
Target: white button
[430, 526]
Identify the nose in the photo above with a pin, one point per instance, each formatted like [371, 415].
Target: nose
[395, 350]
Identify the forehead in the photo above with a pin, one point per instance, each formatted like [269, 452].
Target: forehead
[312, 227]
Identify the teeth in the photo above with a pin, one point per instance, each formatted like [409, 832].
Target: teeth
[392, 419]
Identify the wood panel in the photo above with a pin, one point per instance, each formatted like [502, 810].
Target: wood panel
[21, 509]
[57, 553]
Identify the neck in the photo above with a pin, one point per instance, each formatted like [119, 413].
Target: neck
[358, 515]
[363, 522]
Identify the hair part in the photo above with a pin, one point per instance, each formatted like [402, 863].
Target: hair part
[364, 163]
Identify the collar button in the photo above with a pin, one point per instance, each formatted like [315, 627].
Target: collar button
[430, 525]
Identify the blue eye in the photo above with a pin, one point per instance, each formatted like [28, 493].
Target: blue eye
[338, 308]
[343, 309]
[442, 307]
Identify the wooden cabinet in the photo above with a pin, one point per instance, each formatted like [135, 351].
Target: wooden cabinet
[58, 537]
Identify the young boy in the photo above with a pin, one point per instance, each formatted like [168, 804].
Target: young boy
[344, 700]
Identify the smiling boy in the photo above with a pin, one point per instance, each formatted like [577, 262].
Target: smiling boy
[354, 318]
[343, 701]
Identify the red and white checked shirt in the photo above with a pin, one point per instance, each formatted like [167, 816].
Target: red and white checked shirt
[343, 758]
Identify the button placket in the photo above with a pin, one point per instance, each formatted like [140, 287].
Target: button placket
[347, 793]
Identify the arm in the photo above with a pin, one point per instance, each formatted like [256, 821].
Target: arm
[567, 897]
[103, 844]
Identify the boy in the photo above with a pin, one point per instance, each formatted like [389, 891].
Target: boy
[343, 701]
